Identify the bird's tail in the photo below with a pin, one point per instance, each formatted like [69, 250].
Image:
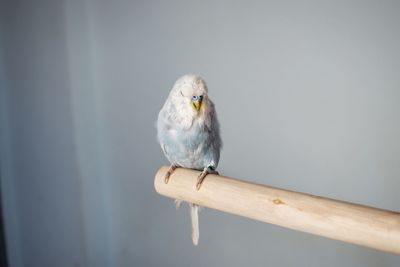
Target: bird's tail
[194, 215]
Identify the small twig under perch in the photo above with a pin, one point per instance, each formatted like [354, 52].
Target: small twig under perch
[352, 223]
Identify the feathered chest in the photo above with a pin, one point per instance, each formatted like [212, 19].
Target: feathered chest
[188, 147]
[190, 139]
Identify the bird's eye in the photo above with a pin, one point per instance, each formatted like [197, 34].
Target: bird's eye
[197, 97]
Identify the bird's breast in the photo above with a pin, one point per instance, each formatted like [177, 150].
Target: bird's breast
[188, 147]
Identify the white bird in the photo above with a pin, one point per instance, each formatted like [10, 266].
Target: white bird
[188, 132]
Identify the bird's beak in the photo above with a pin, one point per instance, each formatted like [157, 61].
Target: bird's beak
[197, 104]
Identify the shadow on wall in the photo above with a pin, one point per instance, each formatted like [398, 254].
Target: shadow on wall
[52, 192]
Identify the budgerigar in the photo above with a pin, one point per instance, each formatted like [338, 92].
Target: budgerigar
[188, 132]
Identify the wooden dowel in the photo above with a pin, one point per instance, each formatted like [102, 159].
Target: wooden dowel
[352, 223]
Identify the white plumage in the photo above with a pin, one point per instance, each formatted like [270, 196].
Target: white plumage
[188, 132]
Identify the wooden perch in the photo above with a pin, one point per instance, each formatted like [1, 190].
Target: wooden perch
[352, 223]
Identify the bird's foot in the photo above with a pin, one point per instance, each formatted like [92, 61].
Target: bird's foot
[203, 174]
[169, 172]
[178, 203]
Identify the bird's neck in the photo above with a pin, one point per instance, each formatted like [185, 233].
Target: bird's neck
[190, 117]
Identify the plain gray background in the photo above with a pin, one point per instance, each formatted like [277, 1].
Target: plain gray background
[308, 97]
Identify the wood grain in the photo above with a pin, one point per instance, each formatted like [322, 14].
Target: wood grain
[348, 222]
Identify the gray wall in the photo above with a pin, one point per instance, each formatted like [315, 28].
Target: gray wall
[307, 93]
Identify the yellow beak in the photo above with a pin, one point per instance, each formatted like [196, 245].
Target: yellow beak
[196, 105]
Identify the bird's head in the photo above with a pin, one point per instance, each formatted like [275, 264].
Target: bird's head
[191, 91]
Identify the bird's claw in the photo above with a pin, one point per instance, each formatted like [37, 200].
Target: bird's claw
[166, 178]
[203, 175]
[199, 181]
[169, 172]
